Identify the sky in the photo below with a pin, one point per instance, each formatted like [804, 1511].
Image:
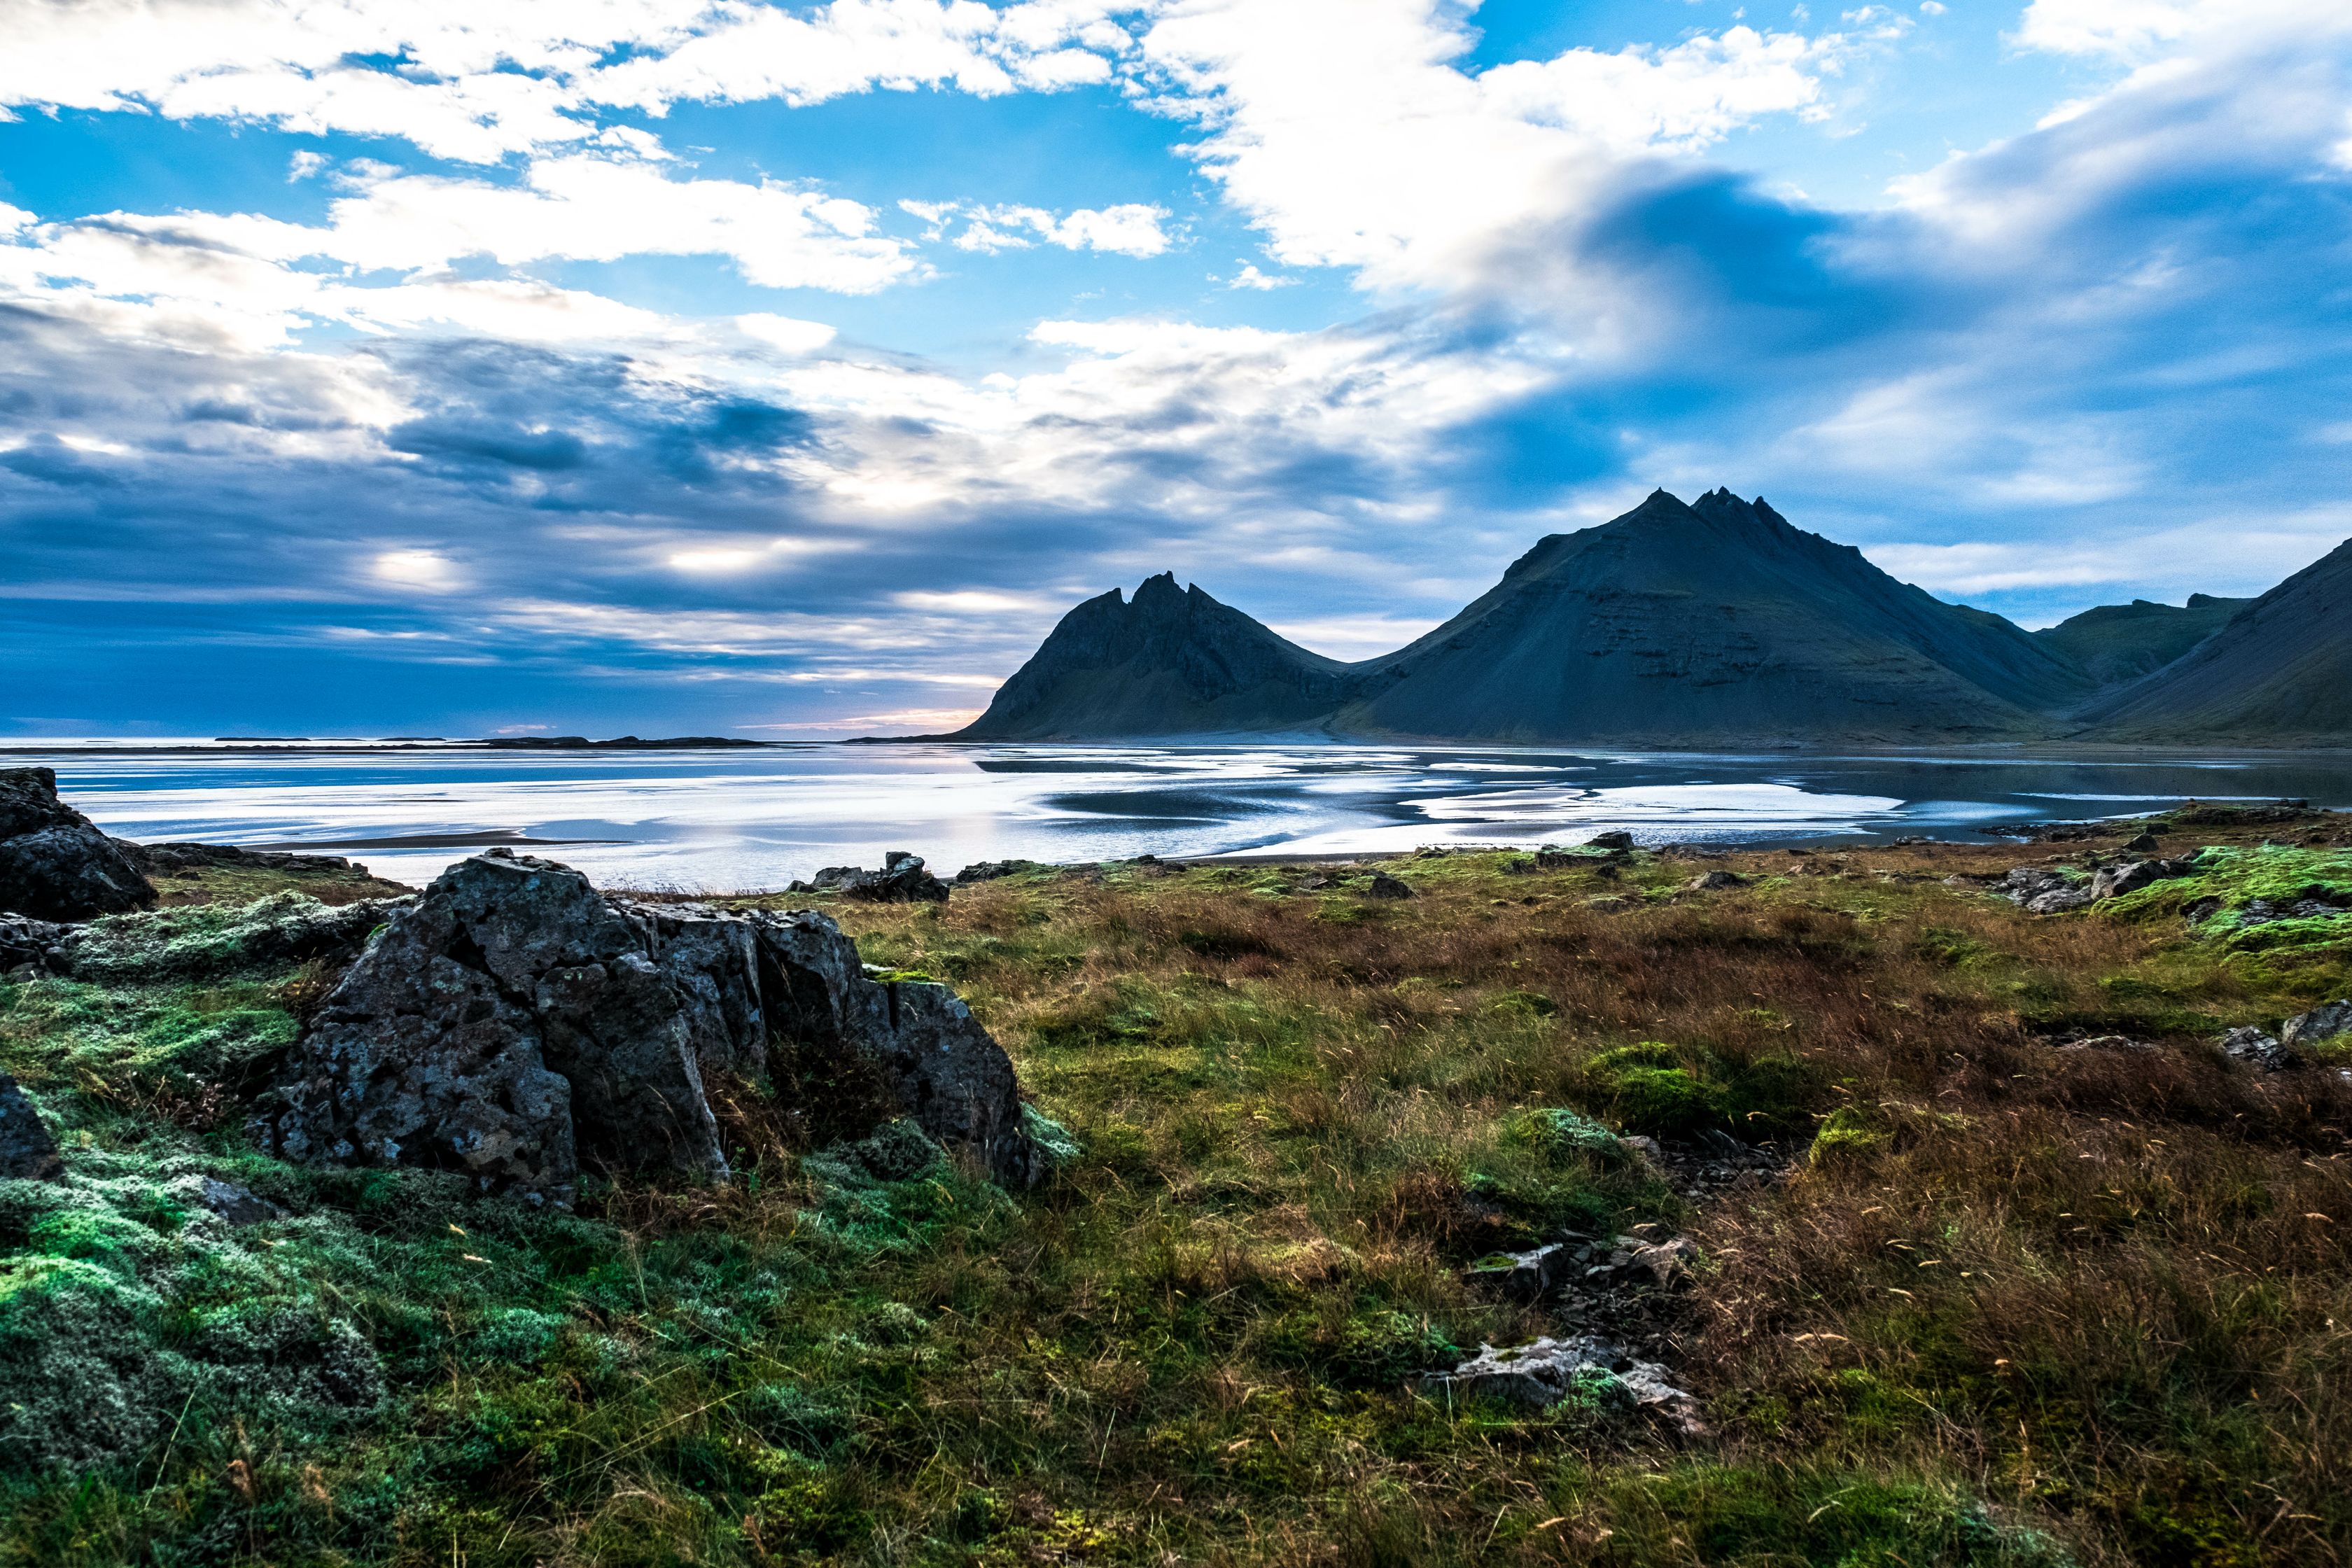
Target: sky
[785, 370]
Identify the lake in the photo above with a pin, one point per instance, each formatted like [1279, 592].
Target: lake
[738, 820]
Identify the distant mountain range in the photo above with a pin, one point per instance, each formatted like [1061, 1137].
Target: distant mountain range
[1708, 624]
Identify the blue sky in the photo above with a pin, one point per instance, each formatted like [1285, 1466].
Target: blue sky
[786, 370]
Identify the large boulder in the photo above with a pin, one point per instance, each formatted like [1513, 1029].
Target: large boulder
[55, 865]
[518, 1024]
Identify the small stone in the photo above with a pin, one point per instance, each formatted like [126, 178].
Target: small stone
[27, 1151]
[1522, 1276]
[1615, 838]
[1714, 880]
[1384, 885]
[1668, 1262]
[236, 1204]
[2323, 1023]
[2058, 901]
[2144, 844]
[2257, 1048]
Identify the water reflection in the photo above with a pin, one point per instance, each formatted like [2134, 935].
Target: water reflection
[755, 819]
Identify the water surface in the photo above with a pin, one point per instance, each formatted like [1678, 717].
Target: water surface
[754, 820]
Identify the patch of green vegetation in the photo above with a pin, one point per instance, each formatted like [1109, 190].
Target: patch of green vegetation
[2050, 1284]
[1721, 1514]
[1674, 1091]
[1848, 1134]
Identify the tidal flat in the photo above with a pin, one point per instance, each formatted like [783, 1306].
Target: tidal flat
[1996, 1254]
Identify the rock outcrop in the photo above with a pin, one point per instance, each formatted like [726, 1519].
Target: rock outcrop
[516, 1024]
[903, 880]
[1549, 1371]
[55, 865]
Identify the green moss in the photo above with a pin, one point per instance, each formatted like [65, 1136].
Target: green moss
[1848, 1134]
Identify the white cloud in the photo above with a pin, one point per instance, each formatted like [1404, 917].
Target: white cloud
[1132, 228]
[786, 332]
[747, 52]
[1388, 158]
[1249, 276]
[2137, 30]
[426, 569]
[475, 83]
[583, 207]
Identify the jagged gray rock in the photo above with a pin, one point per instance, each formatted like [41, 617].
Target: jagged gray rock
[2131, 876]
[2257, 1048]
[516, 1024]
[27, 1152]
[31, 947]
[55, 865]
[903, 1047]
[2325, 1022]
[902, 880]
[993, 870]
[1548, 1371]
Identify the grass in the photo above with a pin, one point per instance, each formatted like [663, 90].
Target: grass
[2015, 1303]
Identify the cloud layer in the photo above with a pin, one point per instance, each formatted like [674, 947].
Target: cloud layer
[400, 452]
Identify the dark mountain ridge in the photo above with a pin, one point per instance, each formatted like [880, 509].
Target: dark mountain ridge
[1173, 661]
[1703, 622]
[2278, 671]
[2117, 644]
[1714, 623]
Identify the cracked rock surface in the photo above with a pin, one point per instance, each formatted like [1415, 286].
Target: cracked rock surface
[55, 865]
[516, 1024]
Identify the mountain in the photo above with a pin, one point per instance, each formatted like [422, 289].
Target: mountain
[1173, 661]
[2119, 643]
[2279, 670]
[1706, 624]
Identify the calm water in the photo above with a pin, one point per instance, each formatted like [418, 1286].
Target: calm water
[756, 819]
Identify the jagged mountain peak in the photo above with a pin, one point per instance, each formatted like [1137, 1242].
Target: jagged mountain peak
[1709, 622]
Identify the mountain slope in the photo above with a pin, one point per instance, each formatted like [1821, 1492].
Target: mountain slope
[2278, 671]
[1705, 623]
[2119, 643]
[1172, 662]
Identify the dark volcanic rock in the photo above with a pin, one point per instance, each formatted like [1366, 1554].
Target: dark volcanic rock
[1384, 885]
[27, 1152]
[902, 880]
[516, 1024]
[993, 870]
[25, 942]
[152, 858]
[54, 864]
[867, 1050]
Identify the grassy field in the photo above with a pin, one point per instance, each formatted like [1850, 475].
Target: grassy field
[2013, 1298]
